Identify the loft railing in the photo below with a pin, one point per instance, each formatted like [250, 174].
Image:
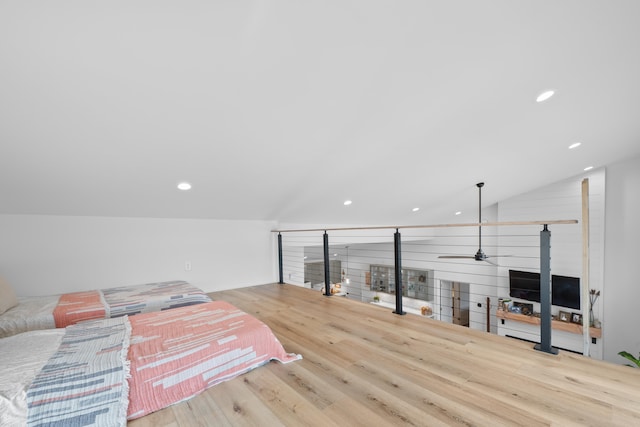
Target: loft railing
[372, 252]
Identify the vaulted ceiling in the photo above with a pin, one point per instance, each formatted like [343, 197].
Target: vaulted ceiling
[282, 110]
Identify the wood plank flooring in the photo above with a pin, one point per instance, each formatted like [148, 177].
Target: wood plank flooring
[365, 366]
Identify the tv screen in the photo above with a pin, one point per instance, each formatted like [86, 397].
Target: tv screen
[565, 291]
[524, 285]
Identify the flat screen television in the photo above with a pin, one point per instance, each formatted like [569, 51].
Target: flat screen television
[565, 291]
[524, 285]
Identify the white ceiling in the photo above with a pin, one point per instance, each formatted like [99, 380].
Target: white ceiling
[281, 110]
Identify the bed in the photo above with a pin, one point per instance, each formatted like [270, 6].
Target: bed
[36, 313]
[109, 370]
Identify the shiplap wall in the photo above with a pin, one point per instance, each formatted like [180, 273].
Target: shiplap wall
[561, 200]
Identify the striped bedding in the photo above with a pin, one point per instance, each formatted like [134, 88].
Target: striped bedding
[172, 356]
[125, 300]
[85, 381]
[78, 306]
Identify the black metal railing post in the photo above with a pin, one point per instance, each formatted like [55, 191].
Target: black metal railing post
[398, 275]
[327, 277]
[545, 293]
[280, 258]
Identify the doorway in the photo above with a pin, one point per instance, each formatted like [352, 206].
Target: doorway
[454, 302]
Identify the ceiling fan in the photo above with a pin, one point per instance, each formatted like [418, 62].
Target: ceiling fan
[480, 255]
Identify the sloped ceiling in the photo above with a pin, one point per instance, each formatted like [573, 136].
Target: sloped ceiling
[281, 110]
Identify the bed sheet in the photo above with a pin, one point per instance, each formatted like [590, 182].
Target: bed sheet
[21, 358]
[31, 313]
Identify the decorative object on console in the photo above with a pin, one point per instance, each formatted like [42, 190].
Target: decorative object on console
[564, 316]
[576, 318]
[524, 308]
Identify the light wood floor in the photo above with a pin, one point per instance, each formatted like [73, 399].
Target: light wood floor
[364, 366]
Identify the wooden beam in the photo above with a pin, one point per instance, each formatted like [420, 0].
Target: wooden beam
[473, 224]
[586, 350]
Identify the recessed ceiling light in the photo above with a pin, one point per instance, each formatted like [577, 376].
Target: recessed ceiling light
[305, 257]
[575, 145]
[459, 212]
[588, 168]
[347, 202]
[335, 254]
[545, 95]
[415, 209]
[184, 186]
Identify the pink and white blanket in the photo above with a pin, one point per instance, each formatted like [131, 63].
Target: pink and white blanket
[125, 300]
[172, 356]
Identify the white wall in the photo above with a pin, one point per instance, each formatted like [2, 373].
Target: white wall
[41, 255]
[622, 254]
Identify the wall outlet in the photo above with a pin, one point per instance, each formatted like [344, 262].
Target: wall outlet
[187, 266]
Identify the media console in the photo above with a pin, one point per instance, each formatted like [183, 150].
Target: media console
[563, 335]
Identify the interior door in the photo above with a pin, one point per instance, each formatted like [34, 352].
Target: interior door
[446, 305]
[460, 303]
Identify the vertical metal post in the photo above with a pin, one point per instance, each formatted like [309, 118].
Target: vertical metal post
[280, 258]
[327, 278]
[398, 263]
[488, 314]
[545, 293]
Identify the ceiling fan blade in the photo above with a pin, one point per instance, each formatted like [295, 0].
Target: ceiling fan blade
[456, 257]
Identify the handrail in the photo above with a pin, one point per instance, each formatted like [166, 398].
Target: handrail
[395, 227]
[545, 264]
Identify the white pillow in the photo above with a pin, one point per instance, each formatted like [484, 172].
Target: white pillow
[8, 298]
